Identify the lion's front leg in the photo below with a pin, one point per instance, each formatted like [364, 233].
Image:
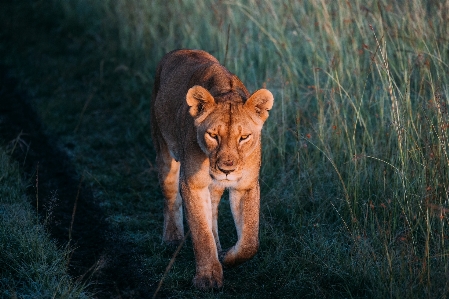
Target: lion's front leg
[209, 272]
[245, 205]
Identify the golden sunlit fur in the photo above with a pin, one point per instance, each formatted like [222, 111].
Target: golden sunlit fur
[207, 130]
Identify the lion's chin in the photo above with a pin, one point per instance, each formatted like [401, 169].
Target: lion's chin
[224, 179]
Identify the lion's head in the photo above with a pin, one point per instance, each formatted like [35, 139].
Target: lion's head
[228, 128]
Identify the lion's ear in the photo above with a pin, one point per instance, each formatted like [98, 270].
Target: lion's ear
[198, 99]
[260, 102]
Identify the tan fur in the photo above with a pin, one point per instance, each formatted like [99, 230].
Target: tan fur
[206, 129]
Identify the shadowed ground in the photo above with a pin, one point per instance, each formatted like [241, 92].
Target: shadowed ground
[98, 253]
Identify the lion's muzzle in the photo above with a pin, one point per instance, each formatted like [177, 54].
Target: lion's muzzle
[226, 166]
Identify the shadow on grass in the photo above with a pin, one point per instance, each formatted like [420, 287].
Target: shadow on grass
[68, 207]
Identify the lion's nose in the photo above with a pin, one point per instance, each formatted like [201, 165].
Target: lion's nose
[228, 163]
[226, 166]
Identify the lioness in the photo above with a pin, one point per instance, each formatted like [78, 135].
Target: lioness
[206, 130]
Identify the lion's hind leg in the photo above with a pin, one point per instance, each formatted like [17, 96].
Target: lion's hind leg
[216, 192]
[169, 180]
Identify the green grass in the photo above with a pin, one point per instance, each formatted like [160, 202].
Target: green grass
[355, 176]
[31, 266]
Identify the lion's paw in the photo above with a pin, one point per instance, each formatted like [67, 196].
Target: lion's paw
[207, 280]
[173, 237]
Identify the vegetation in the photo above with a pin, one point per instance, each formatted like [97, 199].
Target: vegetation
[355, 177]
[31, 266]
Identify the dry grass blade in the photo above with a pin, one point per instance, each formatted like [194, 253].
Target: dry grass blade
[74, 208]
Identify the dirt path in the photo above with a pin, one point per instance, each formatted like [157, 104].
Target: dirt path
[99, 254]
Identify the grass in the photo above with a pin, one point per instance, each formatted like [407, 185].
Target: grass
[355, 174]
[31, 266]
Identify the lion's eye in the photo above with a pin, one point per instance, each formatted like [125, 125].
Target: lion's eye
[212, 135]
[244, 137]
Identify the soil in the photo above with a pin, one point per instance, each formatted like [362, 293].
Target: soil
[98, 254]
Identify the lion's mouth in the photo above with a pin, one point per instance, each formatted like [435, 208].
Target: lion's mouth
[220, 176]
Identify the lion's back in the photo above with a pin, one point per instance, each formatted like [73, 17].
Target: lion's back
[183, 63]
[173, 77]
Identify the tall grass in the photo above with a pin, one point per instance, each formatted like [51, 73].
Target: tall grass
[355, 175]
